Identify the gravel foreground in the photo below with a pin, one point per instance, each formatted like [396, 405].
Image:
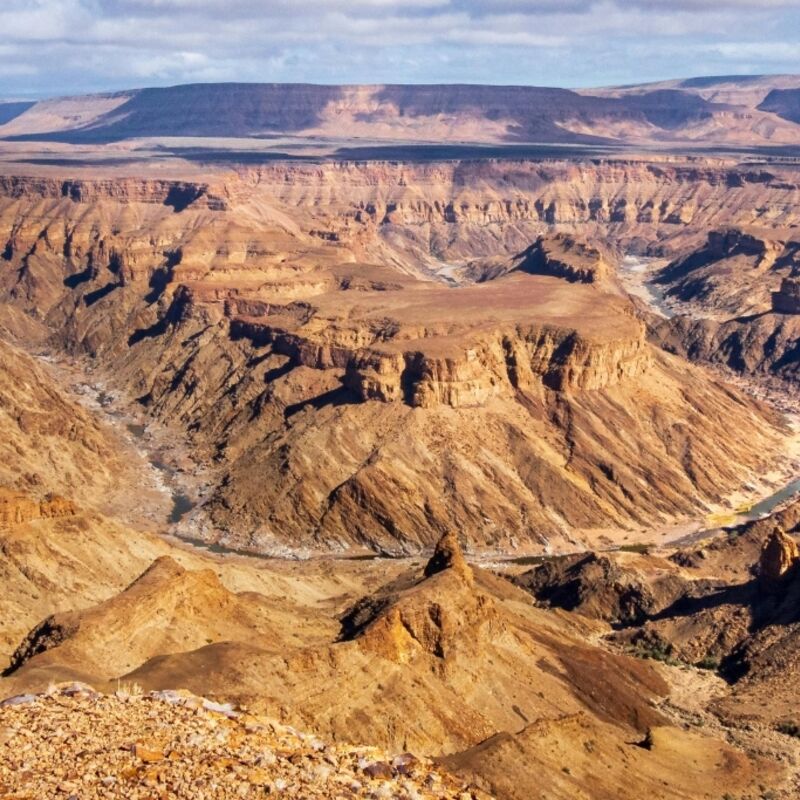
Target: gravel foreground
[73, 743]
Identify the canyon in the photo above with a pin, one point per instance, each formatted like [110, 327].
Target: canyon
[293, 322]
[432, 453]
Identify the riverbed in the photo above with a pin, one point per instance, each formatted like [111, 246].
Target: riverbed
[757, 498]
[635, 274]
[170, 483]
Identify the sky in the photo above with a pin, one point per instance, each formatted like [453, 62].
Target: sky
[57, 47]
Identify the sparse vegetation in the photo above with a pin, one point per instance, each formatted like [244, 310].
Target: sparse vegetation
[789, 728]
[642, 548]
[657, 652]
[708, 662]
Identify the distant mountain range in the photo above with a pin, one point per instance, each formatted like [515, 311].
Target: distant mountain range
[728, 110]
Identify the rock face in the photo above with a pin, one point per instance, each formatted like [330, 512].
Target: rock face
[787, 300]
[16, 508]
[429, 346]
[763, 345]
[738, 316]
[733, 271]
[565, 257]
[604, 587]
[51, 448]
[783, 102]
[779, 555]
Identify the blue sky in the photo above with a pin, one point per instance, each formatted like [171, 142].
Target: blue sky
[53, 47]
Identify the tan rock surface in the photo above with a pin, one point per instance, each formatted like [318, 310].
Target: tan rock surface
[456, 663]
[50, 445]
[779, 555]
[309, 329]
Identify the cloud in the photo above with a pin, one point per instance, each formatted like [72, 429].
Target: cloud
[708, 5]
[69, 46]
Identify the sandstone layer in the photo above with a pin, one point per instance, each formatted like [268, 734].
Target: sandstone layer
[348, 403]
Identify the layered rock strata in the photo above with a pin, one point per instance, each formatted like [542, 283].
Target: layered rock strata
[348, 403]
[16, 508]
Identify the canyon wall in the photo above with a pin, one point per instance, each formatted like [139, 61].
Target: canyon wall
[737, 302]
[285, 321]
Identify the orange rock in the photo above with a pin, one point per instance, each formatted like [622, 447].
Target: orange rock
[258, 776]
[129, 773]
[448, 555]
[147, 754]
[779, 555]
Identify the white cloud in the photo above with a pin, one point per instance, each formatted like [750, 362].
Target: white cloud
[57, 46]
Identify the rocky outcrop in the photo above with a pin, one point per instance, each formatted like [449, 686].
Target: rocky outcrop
[17, 508]
[49, 633]
[732, 272]
[779, 556]
[166, 608]
[563, 256]
[604, 587]
[447, 555]
[765, 344]
[469, 372]
[734, 242]
[176, 195]
[428, 617]
[787, 299]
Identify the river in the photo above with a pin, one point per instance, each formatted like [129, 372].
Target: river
[170, 482]
[635, 275]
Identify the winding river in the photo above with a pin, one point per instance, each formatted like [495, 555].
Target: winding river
[635, 274]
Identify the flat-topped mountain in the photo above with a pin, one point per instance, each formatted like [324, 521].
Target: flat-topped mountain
[675, 112]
